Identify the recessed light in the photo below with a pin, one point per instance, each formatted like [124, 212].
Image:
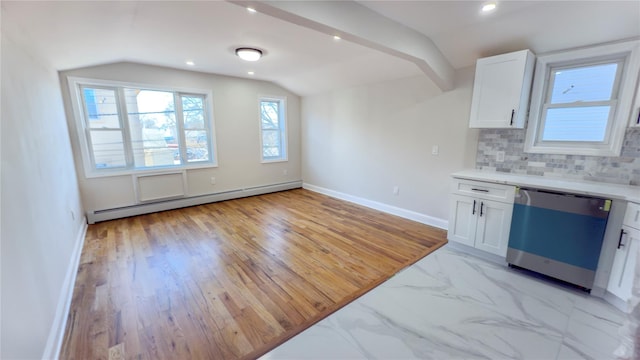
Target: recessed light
[189, 62]
[488, 7]
[251, 10]
[336, 37]
[249, 54]
[250, 72]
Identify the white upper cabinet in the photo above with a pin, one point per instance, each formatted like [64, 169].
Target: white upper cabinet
[501, 91]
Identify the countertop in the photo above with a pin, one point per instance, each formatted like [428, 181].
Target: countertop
[581, 187]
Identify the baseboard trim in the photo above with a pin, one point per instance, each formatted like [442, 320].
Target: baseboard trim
[496, 259]
[616, 302]
[56, 333]
[110, 214]
[393, 210]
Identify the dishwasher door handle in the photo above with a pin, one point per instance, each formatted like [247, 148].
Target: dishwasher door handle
[620, 244]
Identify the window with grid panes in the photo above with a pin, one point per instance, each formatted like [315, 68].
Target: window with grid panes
[273, 137]
[129, 128]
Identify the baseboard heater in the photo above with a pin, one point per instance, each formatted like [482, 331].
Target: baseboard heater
[117, 213]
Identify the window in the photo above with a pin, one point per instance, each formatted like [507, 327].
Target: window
[273, 136]
[581, 100]
[124, 128]
[90, 102]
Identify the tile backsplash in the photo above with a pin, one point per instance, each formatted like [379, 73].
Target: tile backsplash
[624, 169]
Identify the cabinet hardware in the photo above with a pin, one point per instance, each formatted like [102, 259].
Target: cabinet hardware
[473, 212]
[638, 119]
[481, 206]
[620, 244]
[513, 112]
[481, 190]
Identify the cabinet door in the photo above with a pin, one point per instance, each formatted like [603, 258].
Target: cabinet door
[635, 111]
[632, 215]
[624, 263]
[494, 223]
[462, 219]
[500, 84]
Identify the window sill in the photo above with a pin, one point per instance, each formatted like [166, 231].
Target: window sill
[562, 150]
[269, 161]
[156, 170]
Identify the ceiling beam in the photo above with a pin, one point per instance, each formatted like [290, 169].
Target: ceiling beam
[361, 25]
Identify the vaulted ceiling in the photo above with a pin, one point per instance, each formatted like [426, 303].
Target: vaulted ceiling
[381, 40]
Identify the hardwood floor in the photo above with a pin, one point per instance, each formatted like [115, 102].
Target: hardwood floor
[231, 279]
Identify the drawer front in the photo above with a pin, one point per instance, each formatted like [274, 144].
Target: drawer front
[632, 216]
[484, 190]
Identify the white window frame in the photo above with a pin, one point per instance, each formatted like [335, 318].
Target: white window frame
[628, 54]
[90, 171]
[282, 120]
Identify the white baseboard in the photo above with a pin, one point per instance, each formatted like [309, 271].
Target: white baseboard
[393, 210]
[616, 302]
[496, 259]
[110, 214]
[56, 333]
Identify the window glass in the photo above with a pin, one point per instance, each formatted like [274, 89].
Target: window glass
[108, 149]
[587, 83]
[101, 108]
[152, 127]
[195, 130]
[193, 111]
[269, 112]
[90, 103]
[270, 143]
[576, 124]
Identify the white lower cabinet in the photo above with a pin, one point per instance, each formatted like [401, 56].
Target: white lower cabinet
[624, 262]
[479, 222]
[494, 223]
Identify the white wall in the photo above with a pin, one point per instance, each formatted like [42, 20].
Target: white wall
[364, 141]
[235, 107]
[39, 237]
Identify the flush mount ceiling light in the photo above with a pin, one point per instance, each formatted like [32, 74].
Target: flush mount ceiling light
[488, 7]
[249, 54]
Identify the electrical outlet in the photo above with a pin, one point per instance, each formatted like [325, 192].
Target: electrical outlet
[213, 180]
[285, 172]
[435, 150]
[396, 190]
[500, 156]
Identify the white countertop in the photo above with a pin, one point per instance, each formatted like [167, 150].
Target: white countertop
[582, 187]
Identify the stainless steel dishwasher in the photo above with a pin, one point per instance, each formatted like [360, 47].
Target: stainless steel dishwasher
[558, 234]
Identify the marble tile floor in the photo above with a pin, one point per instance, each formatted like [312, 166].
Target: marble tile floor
[451, 305]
